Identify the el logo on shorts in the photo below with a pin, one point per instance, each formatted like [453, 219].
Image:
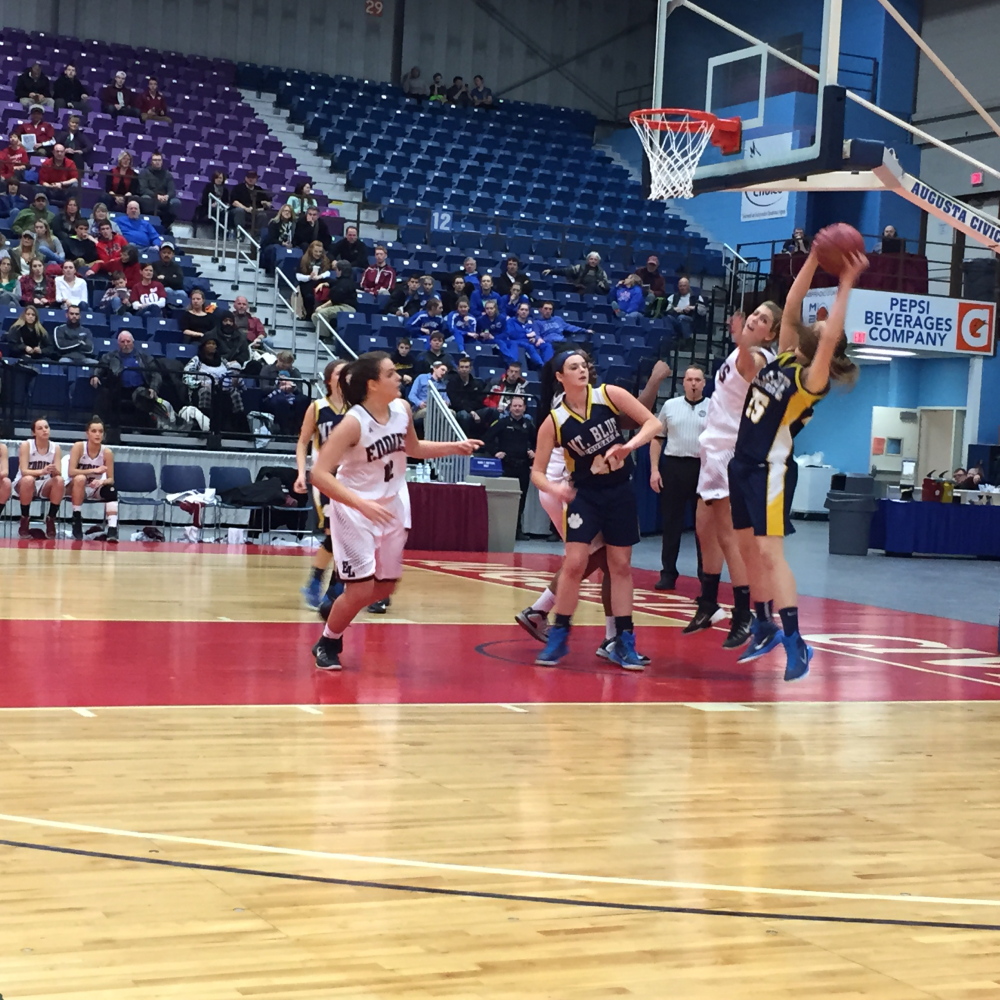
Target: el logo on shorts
[975, 328]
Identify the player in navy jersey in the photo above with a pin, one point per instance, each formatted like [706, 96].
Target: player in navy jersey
[778, 403]
[370, 507]
[320, 419]
[599, 495]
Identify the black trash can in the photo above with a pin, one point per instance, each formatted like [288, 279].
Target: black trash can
[850, 522]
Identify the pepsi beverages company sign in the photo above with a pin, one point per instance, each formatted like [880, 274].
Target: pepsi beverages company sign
[921, 323]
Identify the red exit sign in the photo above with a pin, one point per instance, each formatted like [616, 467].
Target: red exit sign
[976, 178]
[858, 337]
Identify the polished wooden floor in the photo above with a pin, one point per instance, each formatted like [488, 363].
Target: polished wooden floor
[188, 810]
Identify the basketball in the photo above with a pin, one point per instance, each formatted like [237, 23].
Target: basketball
[834, 243]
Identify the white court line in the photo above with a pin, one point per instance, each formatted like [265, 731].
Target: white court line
[309, 709]
[169, 838]
[513, 708]
[718, 706]
[85, 712]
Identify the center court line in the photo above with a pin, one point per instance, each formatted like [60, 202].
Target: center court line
[513, 708]
[169, 838]
[427, 890]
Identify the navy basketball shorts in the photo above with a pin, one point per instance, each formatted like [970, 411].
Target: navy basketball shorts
[610, 511]
[760, 496]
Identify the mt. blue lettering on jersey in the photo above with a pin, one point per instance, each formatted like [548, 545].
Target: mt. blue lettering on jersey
[585, 440]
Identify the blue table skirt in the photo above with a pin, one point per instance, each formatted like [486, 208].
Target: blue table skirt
[936, 529]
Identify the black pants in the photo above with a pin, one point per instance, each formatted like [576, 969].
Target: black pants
[680, 488]
[521, 471]
[136, 405]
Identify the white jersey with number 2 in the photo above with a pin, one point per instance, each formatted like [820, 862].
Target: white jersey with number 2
[375, 468]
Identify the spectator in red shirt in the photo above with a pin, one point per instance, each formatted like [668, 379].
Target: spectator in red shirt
[109, 249]
[117, 99]
[379, 279]
[149, 296]
[38, 288]
[151, 104]
[14, 159]
[45, 136]
[58, 175]
[123, 181]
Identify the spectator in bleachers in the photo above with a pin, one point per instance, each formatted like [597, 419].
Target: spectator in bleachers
[66, 220]
[216, 186]
[351, 249]
[214, 388]
[27, 338]
[101, 214]
[405, 299]
[38, 476]
[81, 247]
[520, 334]
[428, 321]
[628, 297]
[470, 275]
[682, 309]
[127, 378]
[137, 230]
[482, 294]
[413, 85]
[451, 295]
[72, 342]
[10, 283]
[14, 159]
[309, 229]
[152, 104]
[436, 91]
[58, 174]
[379, 279]
[117, 99]
[115, 300]
[45, 136]
[38, 288]
[467, 397]
[588, 278]
[313, 275]
[343, 293]
[33, 87]
[77, 142]
[122, 182]
[233, 345]
[552, 328]
[109, 246]
[69, 90]
[148, 296]
[424, 385]
[434, 352]
[512, 440]
[23, 254]
[458, 93]
[302, 199]
[38, 209]
[512, 384]
[491, 324]
[166, 270]
[512, 272]
[13, 202]
[654, 286]
[283, 366]
[404, 362]
[799, 242]
[252, 203]
[131, 267]
[196, 322]
[158, 192]
[288, 404]
[280, 232]
[515, 299]
[890, 242]
[481, 96]
[71, 289]
[247, 324]
[461, 325]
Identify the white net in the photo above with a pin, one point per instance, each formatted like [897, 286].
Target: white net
[673, 152]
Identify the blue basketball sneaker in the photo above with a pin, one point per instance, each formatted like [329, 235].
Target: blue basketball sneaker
[623, 652]
[798, 656]
[312, 592]
[555, 646]
[764, 636]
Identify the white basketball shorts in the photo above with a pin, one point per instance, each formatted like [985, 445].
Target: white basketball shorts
[713, 478]
[92, 488]
[363, 549]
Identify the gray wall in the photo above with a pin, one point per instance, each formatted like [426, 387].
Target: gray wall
[492, 37]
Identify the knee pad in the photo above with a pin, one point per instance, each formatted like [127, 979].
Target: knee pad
[108, 493]
[327, 545]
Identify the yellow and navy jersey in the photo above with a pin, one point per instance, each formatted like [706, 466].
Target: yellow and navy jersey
[327, 417]
[776, 408]
[585, 439]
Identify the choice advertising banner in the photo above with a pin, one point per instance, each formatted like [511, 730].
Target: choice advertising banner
[928, 323]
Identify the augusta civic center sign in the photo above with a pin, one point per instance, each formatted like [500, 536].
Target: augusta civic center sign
[929, 323]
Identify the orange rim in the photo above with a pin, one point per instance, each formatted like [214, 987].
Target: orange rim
[727, 133]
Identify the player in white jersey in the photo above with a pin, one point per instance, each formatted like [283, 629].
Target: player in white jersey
[714, 522]
[5, 486]
[369, 506]
[92, 477]
[38, 475]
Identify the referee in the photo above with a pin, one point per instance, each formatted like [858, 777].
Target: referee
[683, 420]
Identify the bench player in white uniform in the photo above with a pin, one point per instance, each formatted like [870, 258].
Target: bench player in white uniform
[5, 486]
[38, 475]
[92, 477]
[714, 522]
[369, 508]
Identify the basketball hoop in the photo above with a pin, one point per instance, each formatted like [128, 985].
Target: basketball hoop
[675, 140]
